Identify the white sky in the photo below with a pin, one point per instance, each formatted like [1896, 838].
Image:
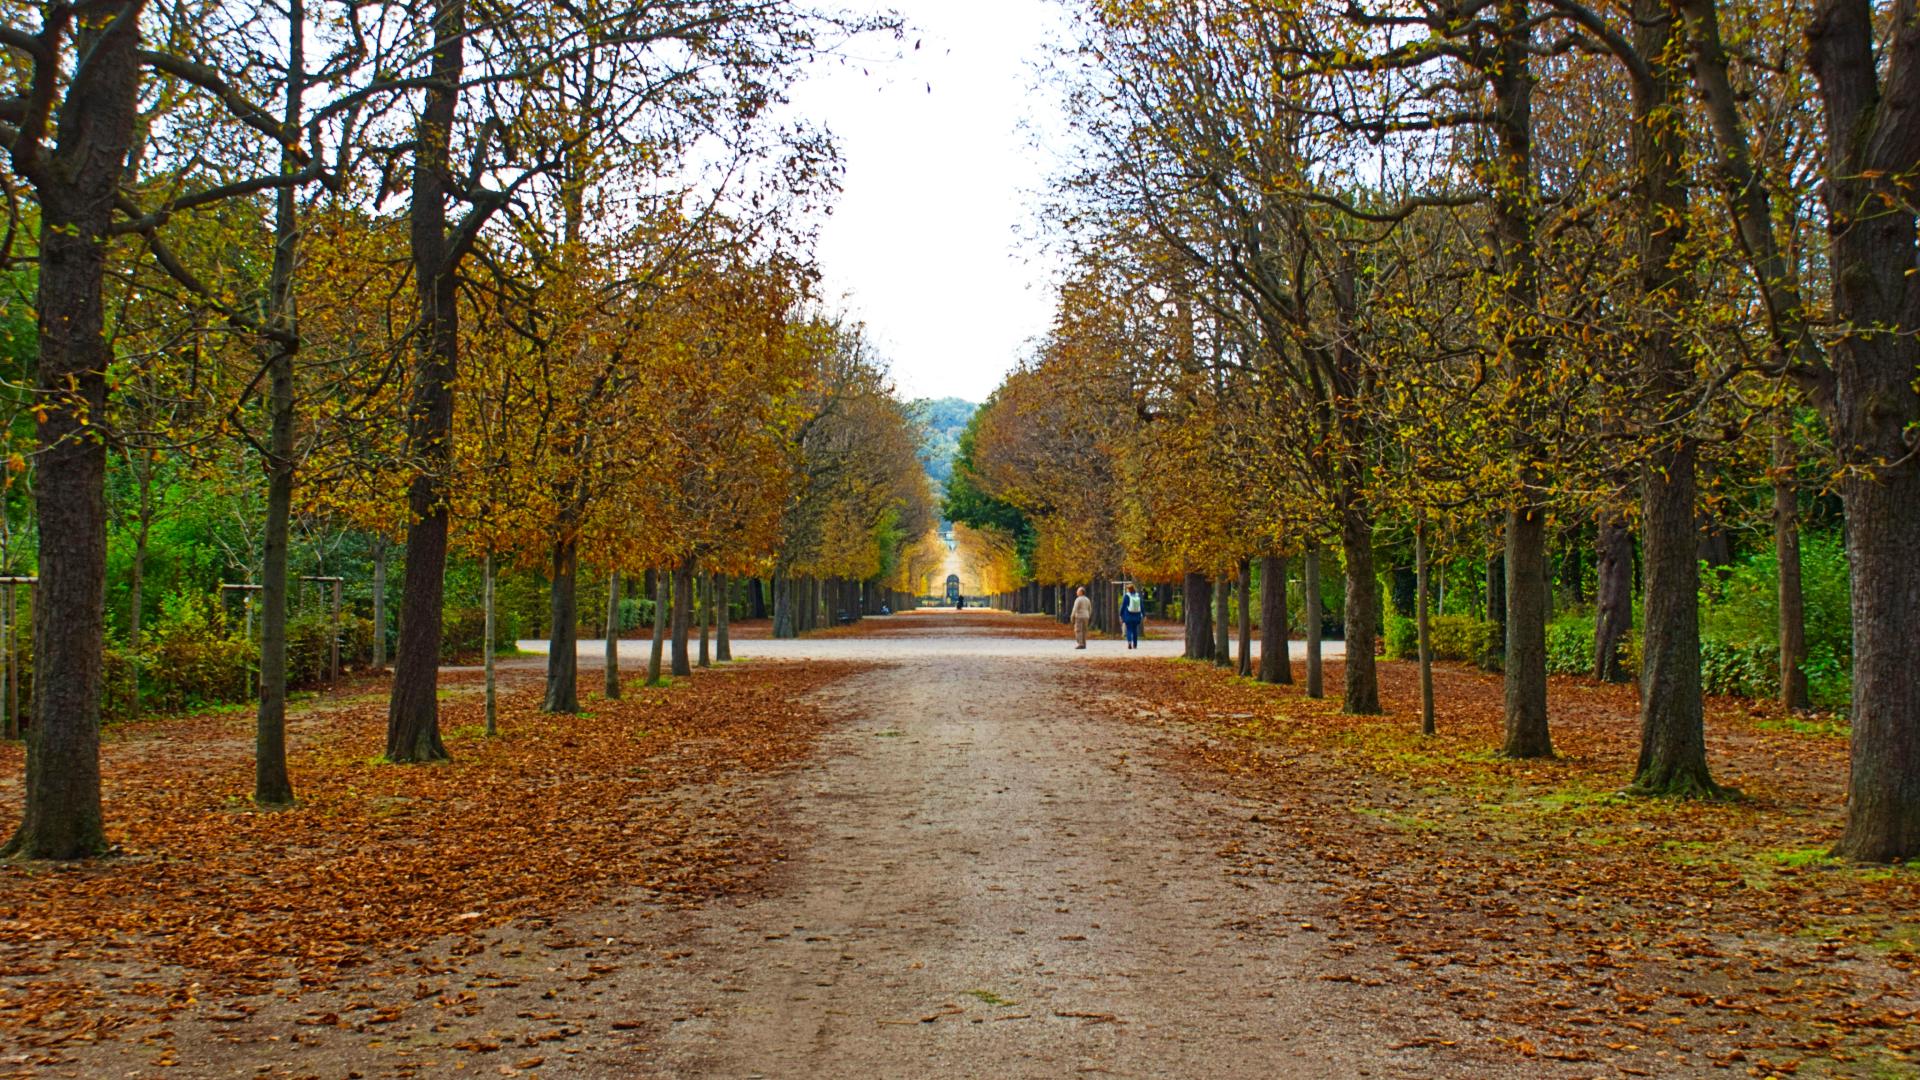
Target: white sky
[941, 179]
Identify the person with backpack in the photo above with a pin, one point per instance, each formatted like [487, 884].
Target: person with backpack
[1133, 610]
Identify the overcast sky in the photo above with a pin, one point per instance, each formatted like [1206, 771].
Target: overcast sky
[940, 180]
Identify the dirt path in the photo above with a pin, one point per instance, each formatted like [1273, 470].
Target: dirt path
[992, 884]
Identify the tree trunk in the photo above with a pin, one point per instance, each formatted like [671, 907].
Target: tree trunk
[1276, 665]
[1673, 751]
[271, 784]
[706, 619]
[486, 647]
[1363, 610]
[722, 639]
[1246, 618]
[380, 603]
[1525, 662]
[612, 689]
[1873, 131]
[757, 597]
[1673, 755]
[682, 615]
[783, 627]
[1195, 610]
[563, 645]
[413, 715]
[1794, 693]
[1612, 597]
[1422, 626]
[660, 601]
[1223, 621]
[62, 815]
[1316, 622]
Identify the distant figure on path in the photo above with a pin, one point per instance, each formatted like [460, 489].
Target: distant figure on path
[1133, 608]
[959, 603]
[1082, 615]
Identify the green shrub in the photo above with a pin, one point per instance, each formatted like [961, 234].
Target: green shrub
[310, 646]
[1739, 669]
[635, 612]
[464, 629]
[1454, 637]
[194, 658]
[1403, 637]
[1570, 645]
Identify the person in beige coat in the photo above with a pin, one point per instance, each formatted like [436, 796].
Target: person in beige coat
[1082, 615]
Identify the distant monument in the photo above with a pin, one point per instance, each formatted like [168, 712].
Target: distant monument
[953, 588]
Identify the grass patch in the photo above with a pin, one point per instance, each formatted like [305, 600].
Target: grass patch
[990, 998]
[1825, 727]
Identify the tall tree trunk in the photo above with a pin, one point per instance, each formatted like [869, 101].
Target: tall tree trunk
[612, 688]
[1612, 596]
[1315, 620]
[62, 815]
[1363, 610]
[1673, 750]
[757, 597]
[271, 784]
[1525, 662]
[1245, 590]
[486, 647]
[723, 639]
[379, 603]
[1423, 627]
[682, 615]
[563, 645]
[413, 715]
[1523, 358]
[1223, 620]
[661, 599]
[1276, 665]
[1194, 607]
[1873, 133]
[783, 627]
[706, 618]
[1794, 693]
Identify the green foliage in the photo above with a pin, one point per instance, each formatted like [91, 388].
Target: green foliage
[1739, 669]
[463, 630]
[1454, 637]
[636, 612]
[1739, 623]
[194, 658]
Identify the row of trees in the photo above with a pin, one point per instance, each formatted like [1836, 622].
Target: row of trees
[523, 281]
[1352, 277]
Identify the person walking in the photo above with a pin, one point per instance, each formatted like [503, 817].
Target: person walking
[1133, 609]
[1082, 615]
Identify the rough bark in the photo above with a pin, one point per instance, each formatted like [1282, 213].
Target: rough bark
[1245, 589]
[706, 619]
[1276, 665]
[1612, 597]
[1525, 662]
[1420, 586]
[492, 704]
[1315, 621]
[563, 644]
[1873, 131]
[612, 688]
[660, 600]
[1363, 610]
[1196, 610]
[76, 184]
[1222, 621]
[722, 638]
[1794, 692]
[413, 714]
[682, 616]
[783, 624]
[1673, 750]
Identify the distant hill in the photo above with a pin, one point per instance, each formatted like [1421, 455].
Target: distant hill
[941, 421]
